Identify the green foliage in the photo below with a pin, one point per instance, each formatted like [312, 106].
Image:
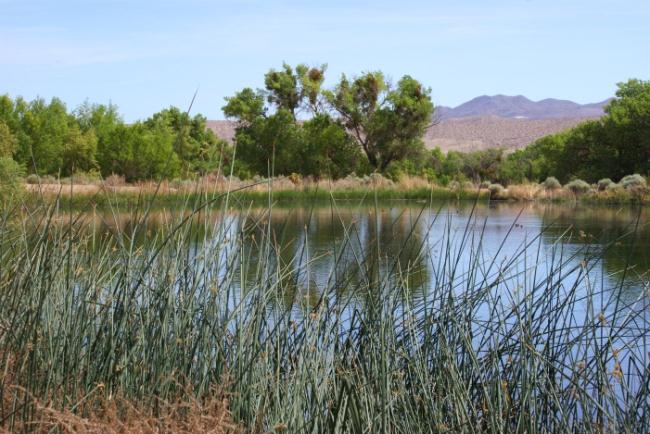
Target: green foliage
[8, 142]
[11, 175]
[196, 147]
[278, 143]
[327, 151]
[387, 123]
[246, 106]
[613, 146]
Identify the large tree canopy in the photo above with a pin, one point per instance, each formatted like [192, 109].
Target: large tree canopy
[388, 123]
[272, 139]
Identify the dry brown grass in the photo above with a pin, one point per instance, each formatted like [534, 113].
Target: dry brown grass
[220, 184]
[526, 192]
[103, 413]
[108, 415]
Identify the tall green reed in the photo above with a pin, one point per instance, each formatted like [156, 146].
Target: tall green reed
[534, 343]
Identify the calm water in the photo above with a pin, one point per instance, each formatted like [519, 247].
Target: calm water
[325, 247]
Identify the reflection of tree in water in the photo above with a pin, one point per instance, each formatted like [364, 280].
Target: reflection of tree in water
[352, 252]
[621, 235]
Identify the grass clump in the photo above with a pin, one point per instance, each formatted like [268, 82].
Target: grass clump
[634, 182]
[578, 187]
[551, 183]
[497, 191]
[605, 184]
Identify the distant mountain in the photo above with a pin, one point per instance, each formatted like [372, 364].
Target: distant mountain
[521, 107]
[508, 122]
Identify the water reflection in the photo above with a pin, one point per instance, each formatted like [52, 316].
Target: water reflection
[354, 250]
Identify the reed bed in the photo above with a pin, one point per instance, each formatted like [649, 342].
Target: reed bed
[192, 329]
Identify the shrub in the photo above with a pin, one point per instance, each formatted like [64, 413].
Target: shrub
[496, 191]
[11, 174]
[634, 182]
[487, 184]
[32, 179]
[578, 186]
[605, 184]
[551, 183]
[454, 185]
[295, 178]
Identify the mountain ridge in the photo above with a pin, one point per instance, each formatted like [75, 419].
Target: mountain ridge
[519, 106]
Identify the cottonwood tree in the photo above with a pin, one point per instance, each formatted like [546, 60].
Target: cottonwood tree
[270, 135]
[388, 123]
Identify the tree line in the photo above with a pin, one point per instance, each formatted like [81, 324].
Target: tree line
[293, 125]
[45, 139]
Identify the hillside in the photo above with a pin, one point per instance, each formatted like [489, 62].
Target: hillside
[489, 121]
[521, 107]
[466, 134]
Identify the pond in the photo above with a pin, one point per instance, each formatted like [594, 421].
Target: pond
[338, 246]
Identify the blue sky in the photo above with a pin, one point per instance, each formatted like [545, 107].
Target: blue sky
[147, 55]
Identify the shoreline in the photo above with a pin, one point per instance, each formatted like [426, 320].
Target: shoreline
[263, 193]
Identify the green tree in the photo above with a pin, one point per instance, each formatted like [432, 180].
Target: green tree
[103, 121]
[387, 123]
[197, 148]
[8, 142]
[271, 140]
[627, 128]
[328, 150]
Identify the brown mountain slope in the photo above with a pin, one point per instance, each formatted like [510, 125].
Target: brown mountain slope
[475, 133]
[467, 134]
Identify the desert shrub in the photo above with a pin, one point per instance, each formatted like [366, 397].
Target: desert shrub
[605, 184]
[496, 191]
[551, 183]
[454, 185]
[295, 178]
[578, 186]
[11, 174]
[487, 184]
[634, 182]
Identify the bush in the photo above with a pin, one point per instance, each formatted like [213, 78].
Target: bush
[605, 184]
[454, 185]
[295, 178]
[11, 174]
[551, 183]
[33, 179]
[578, 186]
[634, 182]
[486, 184]
[496, 191]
